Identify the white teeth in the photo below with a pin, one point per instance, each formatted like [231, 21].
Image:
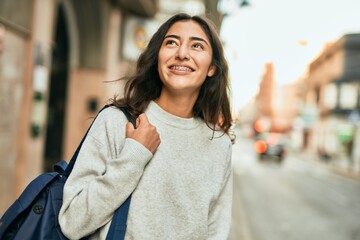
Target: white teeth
[181, 68]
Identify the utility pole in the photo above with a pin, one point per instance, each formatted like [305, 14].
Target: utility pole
[211, 11]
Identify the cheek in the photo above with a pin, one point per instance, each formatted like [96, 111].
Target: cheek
[159, 63]
[207, 67]
[160, 72]
[207, 61]
[160, 69]
[162, 58]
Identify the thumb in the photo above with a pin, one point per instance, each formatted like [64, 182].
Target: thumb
[137, 122]
[141, 119]
[129, 128]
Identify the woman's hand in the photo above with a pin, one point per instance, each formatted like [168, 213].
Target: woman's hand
[145, 133]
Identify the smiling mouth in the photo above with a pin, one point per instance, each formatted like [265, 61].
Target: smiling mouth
[181, 68]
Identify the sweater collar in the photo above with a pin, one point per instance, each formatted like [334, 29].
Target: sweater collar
[185, 123]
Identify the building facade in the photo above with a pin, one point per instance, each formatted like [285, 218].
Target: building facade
[333, 86]
[58, 60]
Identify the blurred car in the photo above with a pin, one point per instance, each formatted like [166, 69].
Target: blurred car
[270, 145]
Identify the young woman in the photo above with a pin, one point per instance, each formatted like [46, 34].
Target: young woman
[177, 162]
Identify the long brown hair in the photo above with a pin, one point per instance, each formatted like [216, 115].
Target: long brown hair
[212, 104]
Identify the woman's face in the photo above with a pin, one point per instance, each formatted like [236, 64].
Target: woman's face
[185, 58]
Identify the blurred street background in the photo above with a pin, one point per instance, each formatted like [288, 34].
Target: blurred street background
[295, 84]
[295, 199]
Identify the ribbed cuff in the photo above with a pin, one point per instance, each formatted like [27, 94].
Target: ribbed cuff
[136, 151]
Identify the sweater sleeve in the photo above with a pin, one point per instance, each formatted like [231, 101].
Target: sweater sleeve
[220, 212]
[106, 172]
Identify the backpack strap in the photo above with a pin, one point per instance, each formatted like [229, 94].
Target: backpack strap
[117, 228]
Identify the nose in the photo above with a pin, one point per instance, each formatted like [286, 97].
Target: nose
[182, 53]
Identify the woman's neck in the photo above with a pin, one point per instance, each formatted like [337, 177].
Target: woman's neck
[179, 106]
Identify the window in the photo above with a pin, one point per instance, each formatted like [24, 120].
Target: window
[348, 98]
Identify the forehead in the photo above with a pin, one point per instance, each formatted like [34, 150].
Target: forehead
[187, 28]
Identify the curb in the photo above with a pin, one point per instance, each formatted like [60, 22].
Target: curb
[345, 172]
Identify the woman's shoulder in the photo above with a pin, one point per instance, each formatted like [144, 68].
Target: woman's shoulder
[217, 134]
[109, 118]
[111, 113]
[224, 140]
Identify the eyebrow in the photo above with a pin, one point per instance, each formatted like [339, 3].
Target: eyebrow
[191, 38]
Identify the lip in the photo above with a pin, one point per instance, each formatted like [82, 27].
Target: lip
[181, 68]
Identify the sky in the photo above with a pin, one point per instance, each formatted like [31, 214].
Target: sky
[288, 33]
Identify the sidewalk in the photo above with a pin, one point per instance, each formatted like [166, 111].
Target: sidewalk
[339, 166]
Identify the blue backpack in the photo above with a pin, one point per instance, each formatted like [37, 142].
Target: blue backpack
[34, 215]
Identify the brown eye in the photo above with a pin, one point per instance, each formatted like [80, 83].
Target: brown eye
[198, 46]
[170, 42]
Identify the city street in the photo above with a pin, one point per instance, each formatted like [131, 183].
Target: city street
[295, 200]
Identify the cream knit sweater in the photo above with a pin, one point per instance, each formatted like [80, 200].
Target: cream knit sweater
[183, 191]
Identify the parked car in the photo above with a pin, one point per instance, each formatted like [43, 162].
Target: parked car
[270, 145]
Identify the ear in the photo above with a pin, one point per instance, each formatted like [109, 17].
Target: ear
[211, 71]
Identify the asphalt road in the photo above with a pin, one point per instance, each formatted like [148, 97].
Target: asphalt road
[295, 200]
